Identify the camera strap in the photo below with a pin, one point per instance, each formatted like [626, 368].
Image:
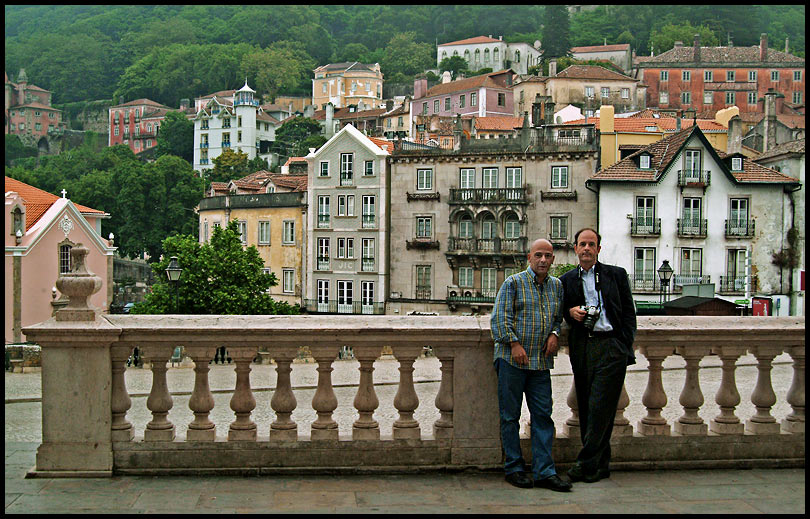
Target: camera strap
[596, 287]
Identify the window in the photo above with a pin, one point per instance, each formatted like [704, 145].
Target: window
[226, 122]
[645, 214]
[663, 98]
[797, 97]
[424, 179]
[64, 259]
[288, 232]
[465, 227]
[367, 262]
[424, 227]
[589, 92]
[264, 233]
[346, 169]
[774, 75]
[465, 277]
[625, 93]
[691, 265]
[345, 296]
[323, 254]
[345, 205]
[473, 99]
[691, 215]
[323, 211]
[708, 98]
[517, 56]
[399, 120]
[752, 76]
[388, 123]
[466, 178]
[489, 287]
[477, 55]
[511, 228]
[559, 227]
[203, 156]
[423, 281]
[488, 231]
[605, 91]
[692, 164]
[664, 75]
[559, 177]
[436, 106]
[686, 98]
[226, 140]
[241, 226]
[367, 296]
[486, 55]
[490, 178]
[644, 161]
[501, 99]
[345, 248]
[738, 213]
[513, 177]
[735, 269]
[204, 124]
[205, 232]
[461, 101]
[148, 143]
[288, 281]
[115, 131]
[324, 171]
[644, 274]
[424, 108]
[752, 98]
[797, 75]
[708, 76]
[369, 211]
[137, 143]
[729, 98]
[729, 76]
[447, 104]
[686, 75]
[323, 295]
[369, 167]
[496, 57]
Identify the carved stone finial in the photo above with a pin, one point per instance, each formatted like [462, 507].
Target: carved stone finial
[79, 284]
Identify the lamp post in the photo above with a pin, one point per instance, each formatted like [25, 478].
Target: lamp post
[173, 272]
[664, 275]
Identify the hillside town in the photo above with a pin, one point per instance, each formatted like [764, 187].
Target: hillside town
[691, 160]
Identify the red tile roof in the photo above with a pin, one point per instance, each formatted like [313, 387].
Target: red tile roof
[469, 41]
[295, 159]
[498, 123]
[382, 142]
[37, 201]
[662, 124]
[602, 48]
[591, 72]
[711, 55]
[483, 80]
[38, 106]
[796, 146]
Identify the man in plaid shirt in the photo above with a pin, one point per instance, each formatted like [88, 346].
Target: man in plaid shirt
[525, 325]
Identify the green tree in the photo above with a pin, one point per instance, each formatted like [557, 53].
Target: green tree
[229, 165]
[405, 55]
[15, 149]
[664, 39]
[176, 137]
[294, 132]
[455, 64]
[219, 278]
[556, 32]
[281, 68]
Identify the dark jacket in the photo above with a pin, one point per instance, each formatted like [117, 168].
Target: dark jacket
[617, 302]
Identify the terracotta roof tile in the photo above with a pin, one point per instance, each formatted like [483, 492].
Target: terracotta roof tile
[665, 124]
[708, 55]
[382, 142]
[602, 48]
[39, 106]
[591, 72]
[796, 146]
[37, 201]
[498, 122]
[469, 41]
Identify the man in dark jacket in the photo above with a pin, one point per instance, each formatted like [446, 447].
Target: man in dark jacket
[598, 305]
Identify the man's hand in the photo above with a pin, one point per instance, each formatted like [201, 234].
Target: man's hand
[519, 354]
[551, 346]
[577, 313]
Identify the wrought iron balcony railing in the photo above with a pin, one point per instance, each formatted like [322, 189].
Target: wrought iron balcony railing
[488, 246]
[645, 227]
[736, 284]
[740, 228]
[461, 295]
[333, 306]
[323, 221]
[508, 195]
[699, 177]
[692, 227]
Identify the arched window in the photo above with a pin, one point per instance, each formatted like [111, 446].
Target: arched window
[495, 57]
[517, 56]
[465, 227]
[455, 53]
[444, 54]
[511, 228]
[486, 55]
[488, 227]
[467, 55]
[17, 221]
[477, 55]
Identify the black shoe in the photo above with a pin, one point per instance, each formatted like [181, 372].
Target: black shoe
[519, 479]
[553, 483]
[575, 474]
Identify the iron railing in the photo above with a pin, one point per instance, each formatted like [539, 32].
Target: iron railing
[692, 227]
[333, 306]
[645, 226]
[508, 195]
[694, 176]
[740, 228]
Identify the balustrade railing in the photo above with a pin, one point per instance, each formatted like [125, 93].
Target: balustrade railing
[740, 228]
[488, 195]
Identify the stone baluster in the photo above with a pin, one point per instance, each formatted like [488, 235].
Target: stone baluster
[654, 398]
[443, 427]
[366, 401]
[406, 401]
[242, 401]
[160, 400]
[690, 423]
[621, 425]
[201, 401]
[571, 426]
[122, 430]
[763, 396]
[794, 422]
[727, 396]
[324, 402]
[283, 402]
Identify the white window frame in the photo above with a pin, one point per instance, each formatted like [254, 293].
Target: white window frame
[708, 76]
[369, 171]
[557, 177]
[665, 75]
[264, 232]
[288, 232]
[663, 98]
[511, 227]
[346, 169]
[489, 282]
[604, 92]
[589, 92]
[367, 260]
[466, 178]
[514, 177]
[625, 93]
[323, 254]
[489, 178]
[644, 161]
[424, 227]
[241, 226]
[424, 179]
[708, 97]
[324, 171]
[465, 277]
[774, 76]
[558, 227]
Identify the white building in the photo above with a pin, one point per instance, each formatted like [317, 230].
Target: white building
[482, 51]
[231, 119]
[716, 218]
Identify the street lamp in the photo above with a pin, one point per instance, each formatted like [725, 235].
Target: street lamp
[173, 272]
[664, 275]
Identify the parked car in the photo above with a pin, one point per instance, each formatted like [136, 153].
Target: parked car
[127, 308]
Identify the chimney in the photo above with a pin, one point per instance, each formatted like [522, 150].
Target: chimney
[678, 44]
[537, 111]
[552, 67]
[696, 54]
[330, 115]
[419, 87]
[769, 126]
[763, 47]
[786, 45]
[734, 135]
[446, 78]
[607, 118]
[548, 112]
[389, 105]
[184, 103]
[500, 38]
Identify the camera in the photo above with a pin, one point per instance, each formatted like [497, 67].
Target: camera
[591, 316]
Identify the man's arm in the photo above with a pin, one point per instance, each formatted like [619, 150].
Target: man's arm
[502, 322]
[628, 309]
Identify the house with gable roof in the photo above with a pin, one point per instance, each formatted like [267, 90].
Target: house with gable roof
[486, 51]
[28, 111]
[715, 217]
[40, 230]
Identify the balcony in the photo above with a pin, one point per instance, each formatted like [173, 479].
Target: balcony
[510, 195]
[203, 145]
[369, 221]
[474, 296]
[422, 244]
[344, 307]
[488, 246]
[644, 227]
[646, 282]
[367, 265]
[736, 285]
[740, 228]
[679, 280]
[323, 221]
[692, 228]
[89, 430]
[413, 197]
[694, 178]
[323, 263]
[346, 180]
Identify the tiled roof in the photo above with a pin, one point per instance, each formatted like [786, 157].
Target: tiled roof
[294, 182]
[602, 48]
[295, 159]
[465, 84]
[708, 55]
[665, 124]
[221, 93]
[498, 122]
[796, 146]
[37, 201]
[382, 142]
[142, 101]
[344, 113]
[791, 121]
[34, 87]
[469, 41]
[591, 72]
[264, 116]
[37, 105]
[346, 65]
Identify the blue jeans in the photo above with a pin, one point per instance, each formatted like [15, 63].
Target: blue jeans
[513, 383]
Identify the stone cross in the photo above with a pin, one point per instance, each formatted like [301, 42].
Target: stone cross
[64, 193]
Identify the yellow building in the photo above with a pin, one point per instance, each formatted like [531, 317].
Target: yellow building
[350, 83]
[621, 136]
[271, 212]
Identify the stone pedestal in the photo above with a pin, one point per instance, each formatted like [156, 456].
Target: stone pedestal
[792, 427]
[726, 428]
[691, 429]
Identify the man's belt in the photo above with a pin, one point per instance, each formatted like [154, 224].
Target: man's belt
[602, 335]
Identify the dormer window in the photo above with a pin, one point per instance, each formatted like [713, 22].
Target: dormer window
[644, 161]
[736, 164]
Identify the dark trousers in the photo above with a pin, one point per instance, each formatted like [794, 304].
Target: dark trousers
[599, 368]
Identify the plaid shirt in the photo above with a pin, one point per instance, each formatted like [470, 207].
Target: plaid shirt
[526, 312]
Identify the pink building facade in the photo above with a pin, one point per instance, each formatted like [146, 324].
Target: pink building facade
[28, 110]
[136, 124]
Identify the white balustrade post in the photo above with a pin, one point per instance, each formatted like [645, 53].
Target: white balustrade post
[160, 402]
[283, 402]
[690, 423]
[366, 401]
[202, 401]
[324, 402]
[571, 426]
[794, 422]
[763, 396]
[242, 401]
[621, 425]
[654, 398]
[727, 396]
[406, 401]
[122, 430]
[443, 427]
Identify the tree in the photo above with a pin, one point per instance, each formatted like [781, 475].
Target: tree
[229, 165]
[295, 131]
[664, 39]
[282, 67]
[219, 278]
[15, 149]
[455, 64]
[403, 54]
[556, 32]
[176, 137]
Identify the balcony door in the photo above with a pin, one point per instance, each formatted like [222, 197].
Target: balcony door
[691, 215]
[738, 216]
[644, 273]
[691, 165]
[735, 269]
[323, 295]
[645, 214]
[367, 297]
[345, 297]
[466, 182]
[691, 262]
